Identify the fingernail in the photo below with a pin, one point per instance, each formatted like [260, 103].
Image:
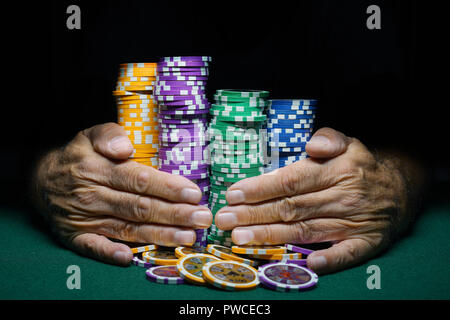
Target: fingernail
[122, 257]
[318, 262]
[321, 142]
[201, 218]
[235, 196]
[191, 195]
[120, 144]
[184, 237]
[242, 236]
[226, 219]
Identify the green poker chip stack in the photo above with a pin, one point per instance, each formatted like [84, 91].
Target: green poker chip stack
[237, 145]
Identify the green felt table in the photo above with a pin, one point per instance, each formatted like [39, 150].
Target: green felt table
[33, 266]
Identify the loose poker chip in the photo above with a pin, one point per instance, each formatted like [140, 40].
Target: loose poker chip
[181, 252]
[144, 248]
[281, 256]
[160, 256]
[164, 274]
[230, 275]
[141, 263]
[296, 248]
[190, 267]
[225, 253]
[286, 277]
[300, 262]
[266, 250]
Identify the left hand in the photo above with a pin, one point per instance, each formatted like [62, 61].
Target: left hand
[342, 194]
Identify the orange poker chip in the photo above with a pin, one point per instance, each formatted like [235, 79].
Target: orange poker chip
[150, 110]
[140, 65]
[136, 79]
[137, 72]
[134, 88]
[134, 83]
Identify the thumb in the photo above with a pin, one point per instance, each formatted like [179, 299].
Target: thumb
[327, 143]
[110, 140]
[341, 255]
[101, 248]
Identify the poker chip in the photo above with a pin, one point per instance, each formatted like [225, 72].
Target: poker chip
[190, 267]
[266, 250]
[289, 128]
[181, 252]
[136, 111]
[141, 263]
[144, 248]
[225, 253]
[282, 257]
[165, 112]
[230, 275]
[286, 277]
[179, 91]
[160, 256]
[164, 274]
[235, 143]
[295, 248]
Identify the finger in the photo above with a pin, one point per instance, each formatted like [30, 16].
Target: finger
[136, 178]
[310, 231]
[341, 255]
[115, 228]
[303, 207]
[300, 177]
[100, 200]
[327, 143]
[101, 248]
[110, 140]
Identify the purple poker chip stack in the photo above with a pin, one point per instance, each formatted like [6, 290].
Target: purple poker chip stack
[180, 91]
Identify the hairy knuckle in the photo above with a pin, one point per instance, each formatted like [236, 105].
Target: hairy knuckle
[85, 196]
[352, 199]
[84, 168]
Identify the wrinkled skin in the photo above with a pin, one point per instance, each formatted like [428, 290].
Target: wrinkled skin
[343, 194]
[89, 192]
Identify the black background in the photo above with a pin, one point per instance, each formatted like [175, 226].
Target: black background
[386, 87]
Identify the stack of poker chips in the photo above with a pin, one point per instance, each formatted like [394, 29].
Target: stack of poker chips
[137, 112]
[183, 111]
[289, 127]
[235, 145]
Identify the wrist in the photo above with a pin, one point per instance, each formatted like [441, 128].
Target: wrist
[408, 177]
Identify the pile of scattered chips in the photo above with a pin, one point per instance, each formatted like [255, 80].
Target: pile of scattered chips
[137, 112]
[235, 146]
[183, 111]
[290, 124]
[229, 268]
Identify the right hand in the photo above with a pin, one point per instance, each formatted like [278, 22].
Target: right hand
[90, 192]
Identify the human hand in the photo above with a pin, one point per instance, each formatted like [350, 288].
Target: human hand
[342, 194]
[90, 192]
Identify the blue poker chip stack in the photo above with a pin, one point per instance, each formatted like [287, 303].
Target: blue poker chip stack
[290, 123]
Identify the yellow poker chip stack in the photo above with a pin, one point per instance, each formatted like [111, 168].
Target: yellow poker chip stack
[136, 110]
